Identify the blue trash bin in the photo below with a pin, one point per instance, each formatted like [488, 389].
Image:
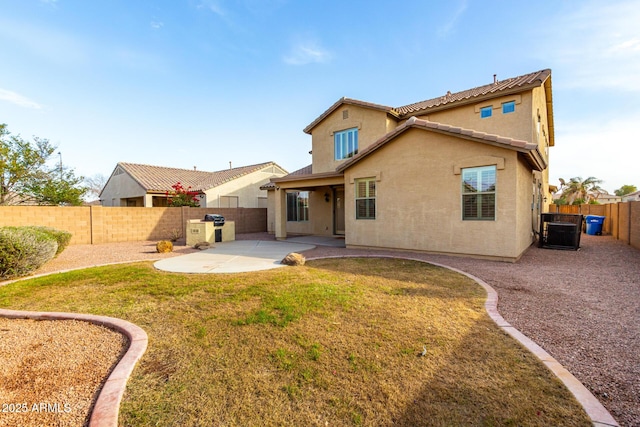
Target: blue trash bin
[594, 224]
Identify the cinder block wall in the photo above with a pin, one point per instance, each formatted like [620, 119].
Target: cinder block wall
[97, 224]
[76, 220]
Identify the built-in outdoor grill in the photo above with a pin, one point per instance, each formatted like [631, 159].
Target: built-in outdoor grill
[217, 219]
[560, 231]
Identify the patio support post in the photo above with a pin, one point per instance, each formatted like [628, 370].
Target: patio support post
[281, 214]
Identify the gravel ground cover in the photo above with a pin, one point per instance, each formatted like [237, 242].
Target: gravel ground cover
[580, 306]
[51, 371]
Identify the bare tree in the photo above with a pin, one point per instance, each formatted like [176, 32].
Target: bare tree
[94, 185]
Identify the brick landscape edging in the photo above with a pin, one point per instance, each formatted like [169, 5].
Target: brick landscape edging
[107, 406]
[598, 414]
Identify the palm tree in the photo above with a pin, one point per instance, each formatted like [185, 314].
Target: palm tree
[578, 190]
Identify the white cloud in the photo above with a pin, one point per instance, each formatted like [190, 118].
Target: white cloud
[156, 25]
[448, 27]
[307, 52]
[599, 42]
[213, 6]
[17, 99]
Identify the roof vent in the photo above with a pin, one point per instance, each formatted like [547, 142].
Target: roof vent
[495, 79]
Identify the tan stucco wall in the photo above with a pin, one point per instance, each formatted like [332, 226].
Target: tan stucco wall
[245, 188]
[372, 124]
[539, 109]
[513, 125]
[419, 198]
[526, 208]
[121, 187]
[271, 211]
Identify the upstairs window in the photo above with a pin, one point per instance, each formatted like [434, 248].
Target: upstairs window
[479, 193]
[346, 143]
[366, 198]
[486, 112]
[508, 107]
[298, 206]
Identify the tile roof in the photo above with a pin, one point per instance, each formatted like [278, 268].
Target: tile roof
[514, 144]
[497, 88]
[160, 178]
[300, 172]
[348, 101]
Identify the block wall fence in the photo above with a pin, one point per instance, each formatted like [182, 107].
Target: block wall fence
[622, 220]
[97, 224]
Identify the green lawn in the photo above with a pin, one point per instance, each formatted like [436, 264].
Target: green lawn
[336, 342]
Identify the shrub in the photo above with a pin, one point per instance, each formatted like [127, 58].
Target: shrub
[62, 237]
[24, 250]
[164, 246]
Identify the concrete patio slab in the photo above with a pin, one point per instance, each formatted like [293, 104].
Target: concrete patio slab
[233, 257]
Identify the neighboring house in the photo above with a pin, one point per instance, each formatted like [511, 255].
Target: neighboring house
[631, 197]
[143, 185]
[605, 199]
[15, 199]
[465, 173]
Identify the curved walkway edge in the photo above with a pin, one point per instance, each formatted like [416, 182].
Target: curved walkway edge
[107, 406]
[599, 415]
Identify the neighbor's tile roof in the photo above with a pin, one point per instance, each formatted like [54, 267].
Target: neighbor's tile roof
[160, 178]
[515, 83]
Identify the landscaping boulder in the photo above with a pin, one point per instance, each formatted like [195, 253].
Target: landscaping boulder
[164, 246]
[202, 245]
[293, 259]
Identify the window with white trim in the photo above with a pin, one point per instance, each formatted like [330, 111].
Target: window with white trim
[298, 206]
[366, 198]
[479, 193]
[345, 143]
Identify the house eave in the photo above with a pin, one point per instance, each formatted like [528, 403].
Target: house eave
[529, 149]
[348, 101]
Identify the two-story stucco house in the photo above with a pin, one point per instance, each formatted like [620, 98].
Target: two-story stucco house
[464, 173]
[137, 185]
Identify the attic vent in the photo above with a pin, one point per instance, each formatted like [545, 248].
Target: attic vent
[118, 171]
[345, 114]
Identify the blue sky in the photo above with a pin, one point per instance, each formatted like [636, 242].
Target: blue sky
[186, 83]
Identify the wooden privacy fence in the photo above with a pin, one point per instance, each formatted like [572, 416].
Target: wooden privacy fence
[97, 224]
[622, 220]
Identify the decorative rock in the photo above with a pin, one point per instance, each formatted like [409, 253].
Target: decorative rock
[293, 258]
[202, 245]
[164, 246]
